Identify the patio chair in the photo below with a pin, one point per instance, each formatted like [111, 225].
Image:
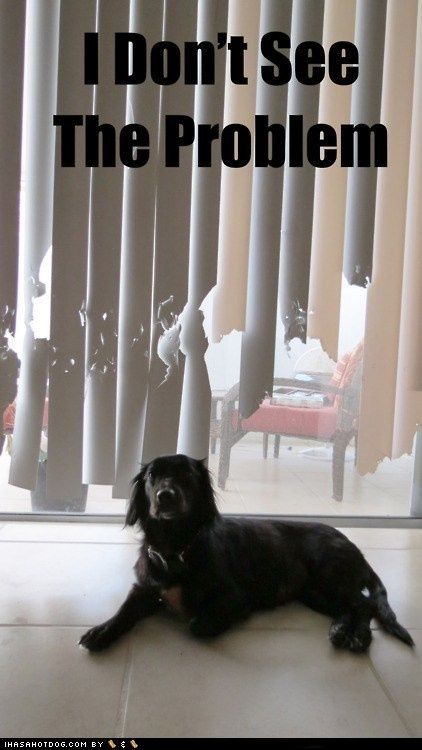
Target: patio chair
[335, 422]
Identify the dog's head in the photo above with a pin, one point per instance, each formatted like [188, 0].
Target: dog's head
[172, 488]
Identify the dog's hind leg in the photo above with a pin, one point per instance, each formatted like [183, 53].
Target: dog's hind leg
[352, 615]
[141, 602]
[352, 630]
[319, 602]
[350, 634]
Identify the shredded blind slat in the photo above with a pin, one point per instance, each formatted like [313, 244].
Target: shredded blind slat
[365, 107]
[258, 341]
[229, 298]
[146, 17]
[69, 268]
[408, 407]
[298, 191]
[194, 424]
[330, 196]
[11, 91]
[384, 293]
[102, 305]
[171, 253]
[36, 228]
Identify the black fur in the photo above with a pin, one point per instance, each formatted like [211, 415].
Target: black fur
[225, 569]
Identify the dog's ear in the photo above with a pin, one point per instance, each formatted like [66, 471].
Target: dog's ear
[201, 465]
[138, 502]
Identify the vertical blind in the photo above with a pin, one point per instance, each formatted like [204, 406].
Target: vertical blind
[194, 424]
[330, 196]
[11, 88]
[385, 293]
[104, 244]
[138, 226]
[365, 107]
[40, 93]
[69, 269]
[258, 340]
[135, 251]
[298, 190]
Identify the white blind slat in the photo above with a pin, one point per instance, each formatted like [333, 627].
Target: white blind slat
[171, 254]
[41, 45]
[384, 293]
[298, 189]
[330, 196]
[229, 296]
[408, 407]
[104, 264]
[258, 341]
[194, 425]
[146, 17]
[69, 268]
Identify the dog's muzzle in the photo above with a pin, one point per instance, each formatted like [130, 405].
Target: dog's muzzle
[168, 502]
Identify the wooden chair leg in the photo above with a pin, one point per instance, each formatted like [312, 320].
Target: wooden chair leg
[226, 442]
[341, 441]
[223, 463]
[276, 446]
[265, 444]
[213, 442]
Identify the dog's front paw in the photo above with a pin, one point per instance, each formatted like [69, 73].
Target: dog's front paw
[98, 638]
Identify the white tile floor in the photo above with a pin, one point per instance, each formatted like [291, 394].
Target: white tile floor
[276, 676]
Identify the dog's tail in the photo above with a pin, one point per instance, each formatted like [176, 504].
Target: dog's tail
[383, 612]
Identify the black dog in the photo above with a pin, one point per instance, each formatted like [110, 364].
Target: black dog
[219, 570]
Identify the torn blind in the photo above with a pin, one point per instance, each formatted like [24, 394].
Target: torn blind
[408, 407]
[11, 91]
[69, 268]
[298, 191]
[229, 297]
[194, 425]
[330, 195]
[362, 181]
[384, 293]
[146, 17]
[36, 228]
[171, 254]
[258, 341]
[102, 304]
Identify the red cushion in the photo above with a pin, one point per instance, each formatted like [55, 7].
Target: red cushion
[338, 375]
[290, 420]
[345, 370]
[9, 415]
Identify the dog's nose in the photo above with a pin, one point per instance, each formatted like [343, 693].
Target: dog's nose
[166, 498]
[167, 491]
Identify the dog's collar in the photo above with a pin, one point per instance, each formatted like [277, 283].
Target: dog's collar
[163, 560]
